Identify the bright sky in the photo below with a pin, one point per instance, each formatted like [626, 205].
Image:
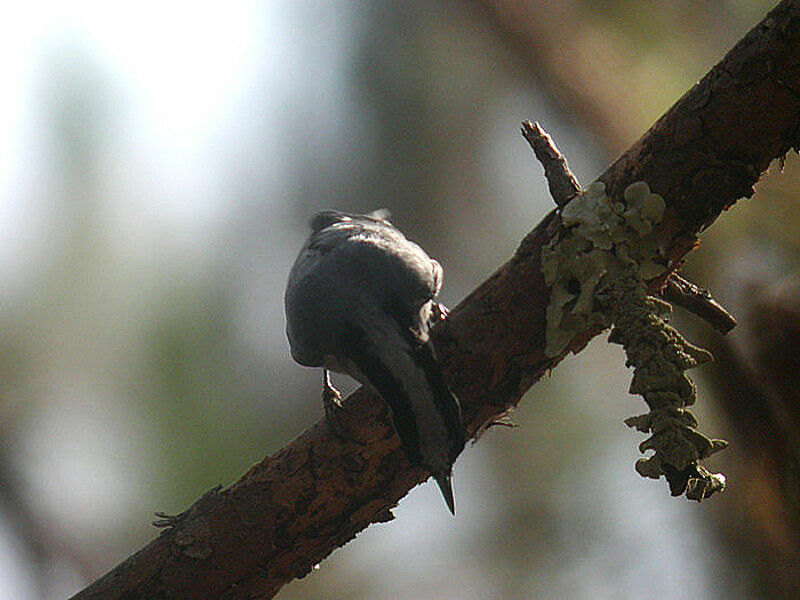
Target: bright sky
[183, 82]
[181, 62]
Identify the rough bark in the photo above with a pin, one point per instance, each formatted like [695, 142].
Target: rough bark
[293, 508]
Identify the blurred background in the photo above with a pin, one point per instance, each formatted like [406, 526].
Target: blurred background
[158, 163]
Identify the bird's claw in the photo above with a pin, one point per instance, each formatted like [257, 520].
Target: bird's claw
[332, 403]
[439, 312]
[164, 520]
[170, 521]
[331, 397]
[333, 416]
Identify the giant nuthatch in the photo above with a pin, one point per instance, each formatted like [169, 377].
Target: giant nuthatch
[359, 300]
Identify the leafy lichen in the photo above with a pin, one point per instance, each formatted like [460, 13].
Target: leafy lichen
[597, 272]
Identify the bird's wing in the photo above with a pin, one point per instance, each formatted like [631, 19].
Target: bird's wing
[425, 412]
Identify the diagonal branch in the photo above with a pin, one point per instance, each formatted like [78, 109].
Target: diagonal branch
[294, 508]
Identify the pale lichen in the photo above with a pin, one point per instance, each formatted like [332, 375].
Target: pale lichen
[597, 271]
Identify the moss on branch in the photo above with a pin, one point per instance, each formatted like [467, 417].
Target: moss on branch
[597, 271]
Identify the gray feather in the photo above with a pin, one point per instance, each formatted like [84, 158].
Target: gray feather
[359, 300]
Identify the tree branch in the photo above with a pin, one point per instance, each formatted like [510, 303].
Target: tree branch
[699, 302]
[561, 181]
[291, 510]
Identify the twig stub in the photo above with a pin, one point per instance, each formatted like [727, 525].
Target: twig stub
[698, 301]
[562, 183]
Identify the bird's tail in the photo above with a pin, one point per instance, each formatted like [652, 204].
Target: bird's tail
[445, 481]
[425, 412]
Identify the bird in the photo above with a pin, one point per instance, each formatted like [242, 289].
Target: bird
[360, 299]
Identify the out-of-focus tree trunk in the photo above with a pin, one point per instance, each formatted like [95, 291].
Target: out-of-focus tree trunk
[758, 375]
[612, 74]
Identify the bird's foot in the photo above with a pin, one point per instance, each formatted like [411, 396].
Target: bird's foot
[165, 520]
[335, 410]
[332, 403]
[439, 312]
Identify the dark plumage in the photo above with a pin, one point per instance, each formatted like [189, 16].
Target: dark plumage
[359, 301]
